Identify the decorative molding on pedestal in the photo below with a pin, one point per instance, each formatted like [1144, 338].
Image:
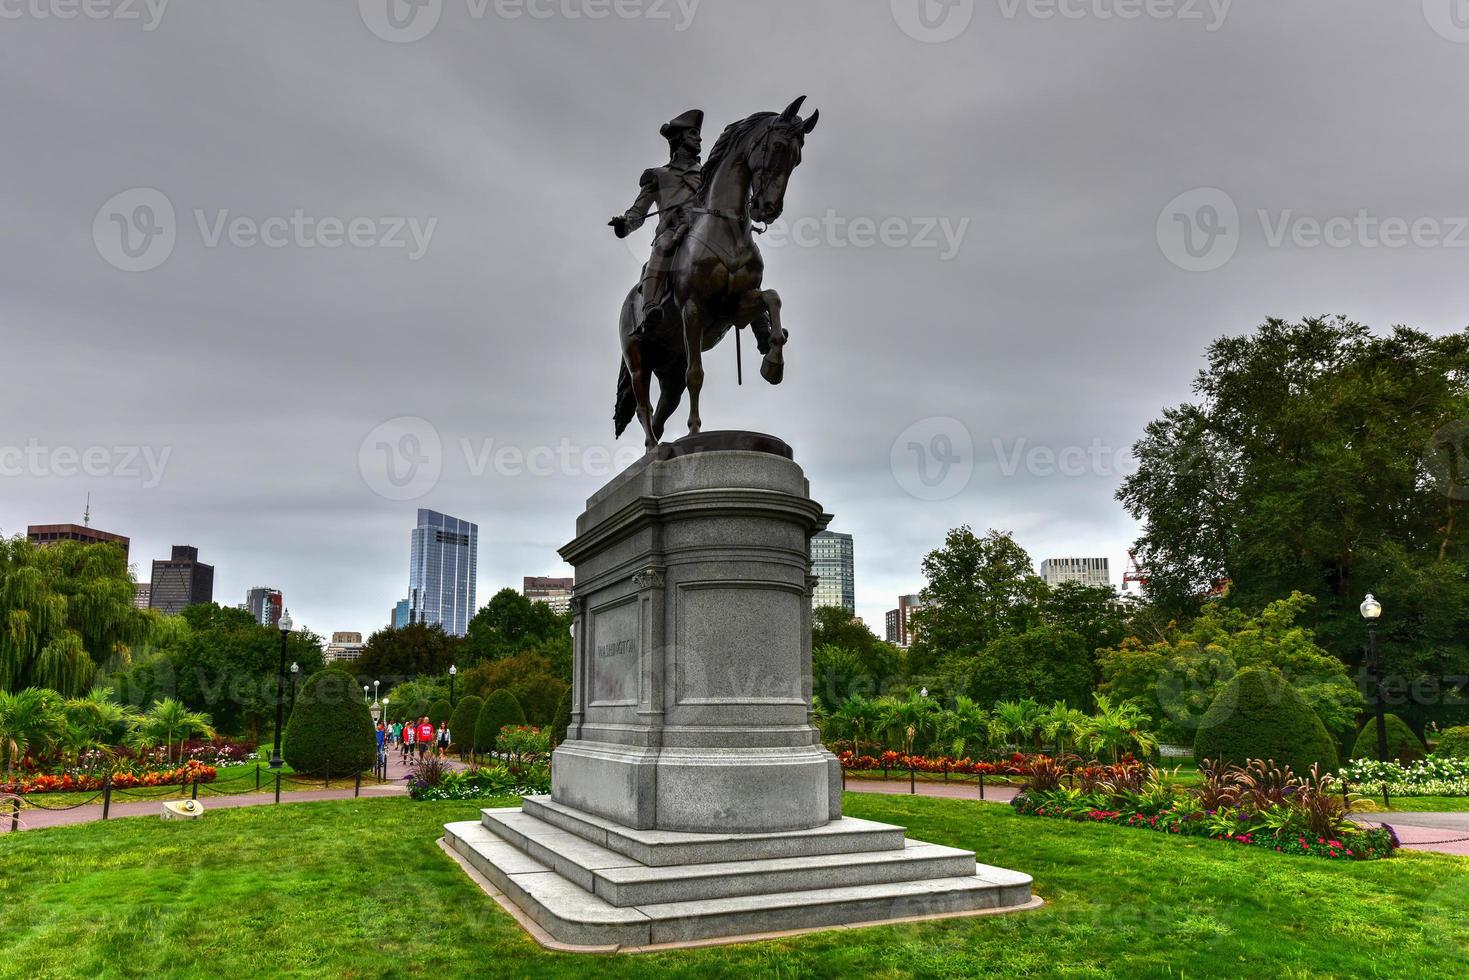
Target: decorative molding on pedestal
[649, 578]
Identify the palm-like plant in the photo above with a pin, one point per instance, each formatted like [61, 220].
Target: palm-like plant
[169, 721]
[30, 720]
[1017, 721]
[858, 718]
[964, 728]
[1118, 727]
[905, 720]
[95, 721]
[1061, 725]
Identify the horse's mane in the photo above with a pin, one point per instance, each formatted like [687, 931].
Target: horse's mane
[734, 135]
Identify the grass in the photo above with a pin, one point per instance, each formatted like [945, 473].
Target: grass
[358, 888]
[1417, 804]
[231, 779]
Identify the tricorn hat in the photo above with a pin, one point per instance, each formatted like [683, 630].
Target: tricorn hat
[693, 119]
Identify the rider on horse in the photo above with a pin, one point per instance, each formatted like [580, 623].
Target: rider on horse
[672, 188]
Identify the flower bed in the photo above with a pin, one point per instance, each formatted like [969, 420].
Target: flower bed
[474, 784]
[84, 782]
[1434, 776]
[1258, 805]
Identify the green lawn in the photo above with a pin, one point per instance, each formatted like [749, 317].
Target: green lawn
[231, 780]
[359, 889]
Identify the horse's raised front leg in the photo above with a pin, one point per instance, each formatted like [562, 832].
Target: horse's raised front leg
[773, 368]
[693, 338]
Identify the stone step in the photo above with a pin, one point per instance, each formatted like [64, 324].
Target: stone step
[662, 848]
[621, 881]
[573, 915]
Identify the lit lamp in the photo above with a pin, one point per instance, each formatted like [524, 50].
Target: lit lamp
[452, 671]
[1372, 609]
[280, 694]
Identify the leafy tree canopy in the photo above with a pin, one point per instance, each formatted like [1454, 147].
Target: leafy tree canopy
[510, 623]
[394, 655]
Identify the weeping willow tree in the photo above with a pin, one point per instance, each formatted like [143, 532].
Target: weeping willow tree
[64, 610]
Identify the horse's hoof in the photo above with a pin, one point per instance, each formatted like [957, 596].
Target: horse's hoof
[772, 370]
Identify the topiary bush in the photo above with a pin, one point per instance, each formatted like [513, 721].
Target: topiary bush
[1257, 715]
[500, 709]
[439, 712]
[330, 730]
[462, 722]
[1453, 743]
[562, 720]
[1402, 744]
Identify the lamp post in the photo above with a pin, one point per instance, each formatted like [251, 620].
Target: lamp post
[280, 694]
[1371, 610]
[295, 673]
[365, 696]
[375, 686]
[452, 671]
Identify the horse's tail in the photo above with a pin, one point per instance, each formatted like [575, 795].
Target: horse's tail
[627, 402]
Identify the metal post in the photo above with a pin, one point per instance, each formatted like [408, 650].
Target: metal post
[981, 786]
[277, 785]
[193, 789]
[257, 777]
[912, 779]
[280, 705]
[15, 814]
[106, 795]
[357, 785]
[1376, 669]
[328, 783]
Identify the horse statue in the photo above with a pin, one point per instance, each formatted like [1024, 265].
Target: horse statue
[714, 280]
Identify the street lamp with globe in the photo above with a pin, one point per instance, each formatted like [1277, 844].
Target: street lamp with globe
[280, 690]
[453, 670]
[1371, 609]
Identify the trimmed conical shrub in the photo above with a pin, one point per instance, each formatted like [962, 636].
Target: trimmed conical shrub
[1453, 744]
[500, 709]
[1402, 744]
[463, 720]
[330, 730]
[1257, 715]
[562, 721]
[440, 712]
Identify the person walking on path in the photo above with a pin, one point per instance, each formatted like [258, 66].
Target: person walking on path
[443, 740]
[424, 737]
[407, 739]
[382, 745]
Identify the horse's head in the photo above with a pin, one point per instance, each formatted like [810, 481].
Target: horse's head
[774, 156]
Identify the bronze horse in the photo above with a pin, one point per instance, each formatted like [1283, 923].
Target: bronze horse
[715, 279]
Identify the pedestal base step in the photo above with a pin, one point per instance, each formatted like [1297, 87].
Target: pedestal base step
[583, 894]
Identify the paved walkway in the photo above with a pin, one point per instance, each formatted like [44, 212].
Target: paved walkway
[33, 818]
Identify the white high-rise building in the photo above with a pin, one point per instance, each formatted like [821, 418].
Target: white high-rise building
[442, 571]
[1083, 571]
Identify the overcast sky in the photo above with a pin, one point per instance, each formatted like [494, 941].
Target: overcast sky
[1012, 235]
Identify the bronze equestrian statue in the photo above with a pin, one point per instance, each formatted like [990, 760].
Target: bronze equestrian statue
[705, 273]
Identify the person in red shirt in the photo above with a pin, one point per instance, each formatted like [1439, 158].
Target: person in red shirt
[425, 736]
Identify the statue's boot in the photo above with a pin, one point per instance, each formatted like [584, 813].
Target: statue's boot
[651, 321]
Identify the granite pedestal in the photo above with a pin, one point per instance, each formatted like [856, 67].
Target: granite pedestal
[692, 797]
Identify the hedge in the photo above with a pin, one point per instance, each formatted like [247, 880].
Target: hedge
[500, 709]
[439, 712]
[330, 730]
[1402, 744]
[562, 721]
[1257, 715]
[1453, 743]
[462, 722]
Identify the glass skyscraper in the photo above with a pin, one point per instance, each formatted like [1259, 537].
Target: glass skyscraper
[831, 563]
[442, 570]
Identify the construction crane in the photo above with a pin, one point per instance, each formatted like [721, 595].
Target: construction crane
[1133, 572]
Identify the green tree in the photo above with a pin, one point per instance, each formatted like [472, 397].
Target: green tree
[330, 731]
[413, 699]
[65, 610]
[1092, 612]
[500, 709]
[1117, 728]
[1323, 459]
[847, 658]
[857, 719]
[462, 722]
[964, 729]
[31, 720]
[96, 721]
[1063, 726]
[416, 650]
[1402, 744]
[906, 722]
[562, 720]
[526, 675]
[510, 624]
[979, 589]
[168, 722]
[1259, 715]
[1017, 722]
[1045, 664]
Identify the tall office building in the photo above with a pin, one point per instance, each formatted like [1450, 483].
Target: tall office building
[265, 605]
[401, 615]
[181, 581]
[831, 563]
[899, 623]
[140, 594]
[1083, 571]
[554, 592]
[44, 534]
[442, 570]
